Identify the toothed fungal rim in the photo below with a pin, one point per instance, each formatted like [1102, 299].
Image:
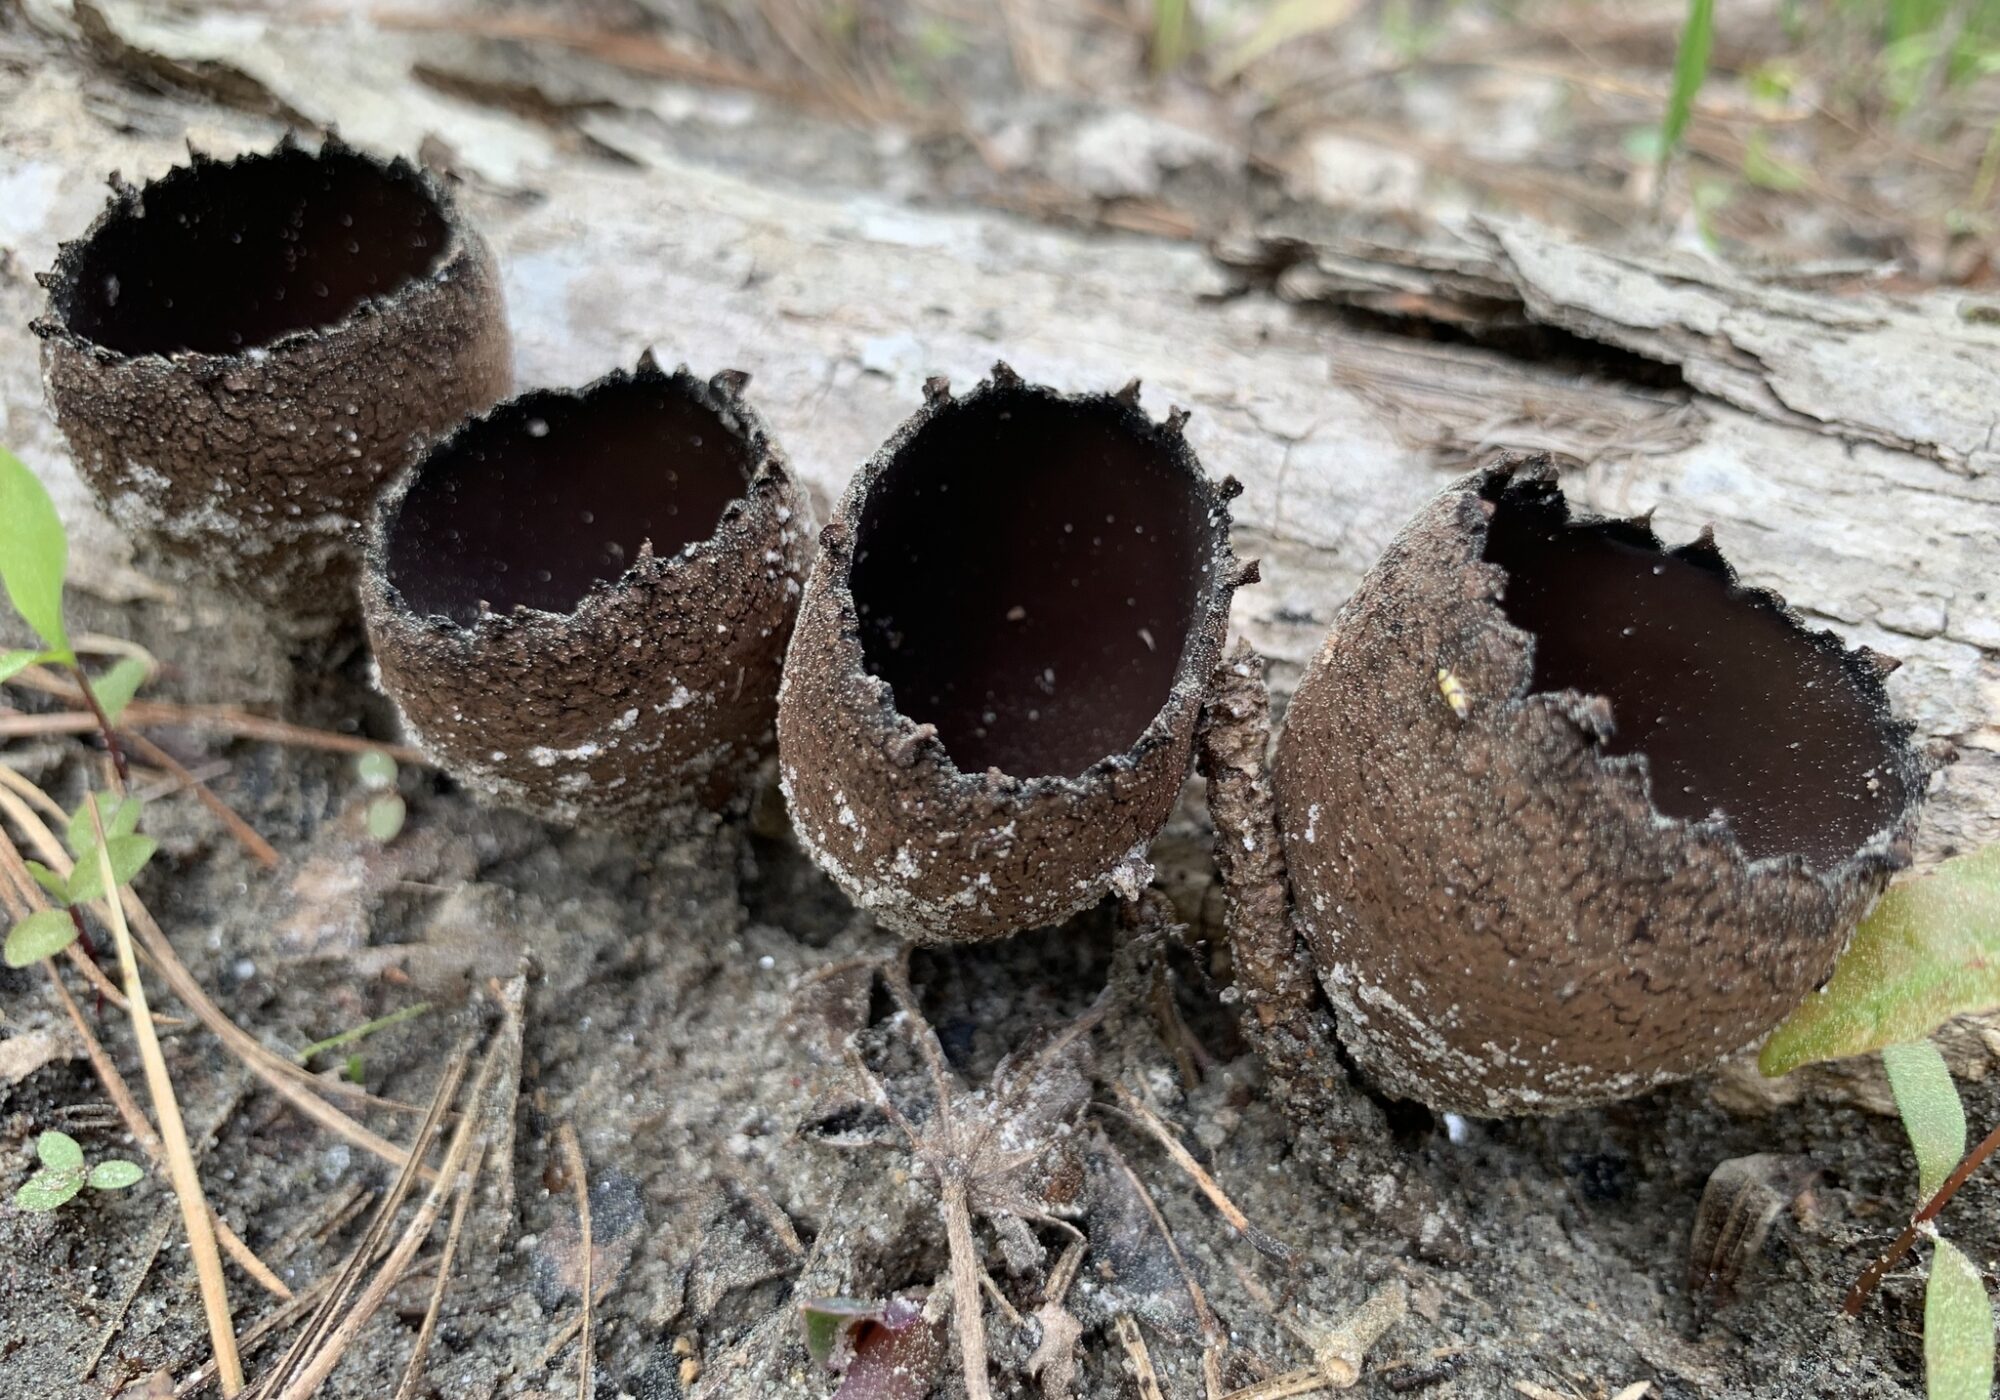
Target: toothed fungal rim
[240, 353]
[535, 642]
[1507, 911]
[912, 716]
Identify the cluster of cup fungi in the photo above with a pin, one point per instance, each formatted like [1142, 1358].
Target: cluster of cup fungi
[1567, 813]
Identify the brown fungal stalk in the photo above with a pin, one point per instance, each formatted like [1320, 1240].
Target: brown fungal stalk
[1570, 814]
[1004, 646]
[242, 351]
[580, 601]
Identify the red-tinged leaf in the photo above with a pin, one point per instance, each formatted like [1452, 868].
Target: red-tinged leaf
[896, 1358]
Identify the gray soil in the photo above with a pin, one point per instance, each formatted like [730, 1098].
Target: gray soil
[685, 1009]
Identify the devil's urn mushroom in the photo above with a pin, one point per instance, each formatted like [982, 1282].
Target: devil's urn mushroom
[1570, 814]
[1005, 642]
[241, 352]
[580, 601]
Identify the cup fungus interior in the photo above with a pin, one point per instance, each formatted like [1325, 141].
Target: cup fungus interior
[219, 257]
[1027, 571]
[553, 493]
[1737, 708]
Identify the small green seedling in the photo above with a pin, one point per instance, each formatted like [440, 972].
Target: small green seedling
[63, 1174]
[386, 811]
[1690, 72]
[48, 932]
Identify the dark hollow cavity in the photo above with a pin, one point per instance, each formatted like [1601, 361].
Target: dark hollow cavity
[1736, 708]
[1026, 574]
[217, 257]
[553, 493]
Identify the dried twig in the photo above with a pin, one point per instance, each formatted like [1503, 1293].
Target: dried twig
[966, 1311]
[270, 1323]
[1214, 1336]
[1185, 1160]
[572, 1155]
[1134, 1342]
[306, 1345]
[173, 1134]
[309, 1367]
[413, 1370]
[246, 836]
[224, 719]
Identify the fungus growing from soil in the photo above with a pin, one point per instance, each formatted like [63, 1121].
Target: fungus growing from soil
[242, 351]
[1639, 836]
[1001, 657]
[580, 601]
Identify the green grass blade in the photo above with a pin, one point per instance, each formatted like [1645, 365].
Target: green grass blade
[1690, 72]
[1958, 1329]
[361, 1032]
[1932, 1113]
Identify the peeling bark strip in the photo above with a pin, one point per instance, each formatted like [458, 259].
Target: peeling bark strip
[1912, 375]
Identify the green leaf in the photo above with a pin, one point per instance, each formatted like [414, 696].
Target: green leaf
[56, 885]
[116, 687]
[46, 1190]
[120, 819]
[1932, 1113]
[1958, 1329]
[376, 770]
[34, 553]
[115, 1174]
[1929, 952]
[386, 815]
[40, 935]
[12, 663]
[129, 855]
[59, 1152]
[1690, 72]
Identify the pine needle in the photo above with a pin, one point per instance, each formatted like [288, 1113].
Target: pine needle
[173, 1136]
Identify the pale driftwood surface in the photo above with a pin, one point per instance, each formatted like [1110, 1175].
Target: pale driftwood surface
[1842, 446]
